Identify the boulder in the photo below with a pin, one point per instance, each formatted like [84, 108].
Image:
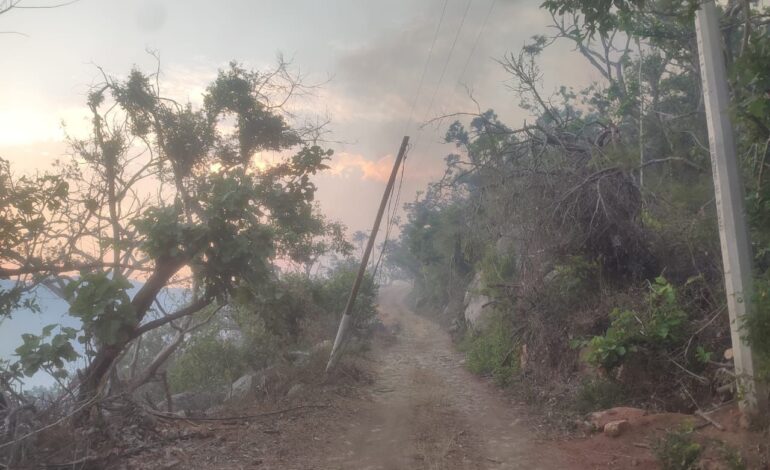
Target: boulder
[728, 354]
[475, 303]
[324, 347]
[243, 387]
[616, 428]
[253, 384]
[295, 390]
[599, 419]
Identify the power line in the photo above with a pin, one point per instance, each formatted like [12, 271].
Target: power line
[392, 215]
[425, 68]
[430, 106]
[478, 38]
[448, 59]
[395, 196]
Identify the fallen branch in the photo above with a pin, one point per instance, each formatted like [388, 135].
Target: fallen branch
[710, 420]
[241, 417]
[701, 379]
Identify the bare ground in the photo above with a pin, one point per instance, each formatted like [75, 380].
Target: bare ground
[428, 412]
[420, 410]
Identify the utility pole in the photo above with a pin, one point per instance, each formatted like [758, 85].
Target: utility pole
[728, 188]
[347, 316]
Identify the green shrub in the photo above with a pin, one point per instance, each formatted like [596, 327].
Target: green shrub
[492, 351]
[757, 326]
[677, 450]
[658, 327]
[331, 294]
[576, 277]
[496, 268]
[207, 361]
[598, 394]
[731, 457]
[571, 285]
[286, 307]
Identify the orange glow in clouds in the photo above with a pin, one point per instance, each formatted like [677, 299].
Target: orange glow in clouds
[352, 165]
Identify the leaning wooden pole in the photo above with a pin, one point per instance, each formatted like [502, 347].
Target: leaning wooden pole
[347, 316]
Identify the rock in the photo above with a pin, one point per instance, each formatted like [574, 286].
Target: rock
[298, 358]
[523, 357]
[253, 384]
[585, 426]
[616, 428]
[243, 387]
[475, 303]
[216, 410]
[295, 390]
[600, 418]
[551, 276]
[324, 347]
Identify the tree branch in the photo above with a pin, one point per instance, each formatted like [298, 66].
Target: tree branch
[194, 307]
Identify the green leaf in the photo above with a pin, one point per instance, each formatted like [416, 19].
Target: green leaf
[48, 329]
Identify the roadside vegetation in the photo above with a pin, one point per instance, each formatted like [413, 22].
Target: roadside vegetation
[186, 262]
[577, 257]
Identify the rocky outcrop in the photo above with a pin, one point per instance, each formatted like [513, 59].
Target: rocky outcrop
[254, 384]
[616, 428]
[476, 304]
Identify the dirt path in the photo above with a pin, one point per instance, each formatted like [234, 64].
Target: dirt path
[428, 412]
[421, 411]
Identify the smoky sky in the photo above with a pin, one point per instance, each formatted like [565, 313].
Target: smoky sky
[369, 55]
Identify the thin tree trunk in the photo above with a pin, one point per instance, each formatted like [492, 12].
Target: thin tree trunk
[148, 373]
[167, 391]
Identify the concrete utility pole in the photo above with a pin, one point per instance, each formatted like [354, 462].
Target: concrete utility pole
[346, 316]
[733, 232]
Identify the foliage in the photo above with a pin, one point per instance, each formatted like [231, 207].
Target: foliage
[497, 268]
[104, 307]
[27, 205]
[598, 394]
[218, 217]
[677, 450]
[492, 351]
[47, 351]
[293, 312]
[600, 191]
[207, 361]
[331, 294]
[757, 326]
[571, 285]
[732, 457]
[654, 329]
[437, 249]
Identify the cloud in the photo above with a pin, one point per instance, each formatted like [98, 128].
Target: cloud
[28, 125]
[350, 165]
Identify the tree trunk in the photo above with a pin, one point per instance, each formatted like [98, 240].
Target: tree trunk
[92, 376]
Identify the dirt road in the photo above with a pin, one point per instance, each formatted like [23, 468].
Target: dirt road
[428, 412]
[421, 410]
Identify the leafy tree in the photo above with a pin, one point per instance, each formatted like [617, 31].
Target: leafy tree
[169, 194]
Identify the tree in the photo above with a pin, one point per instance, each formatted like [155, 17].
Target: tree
[162, 194]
